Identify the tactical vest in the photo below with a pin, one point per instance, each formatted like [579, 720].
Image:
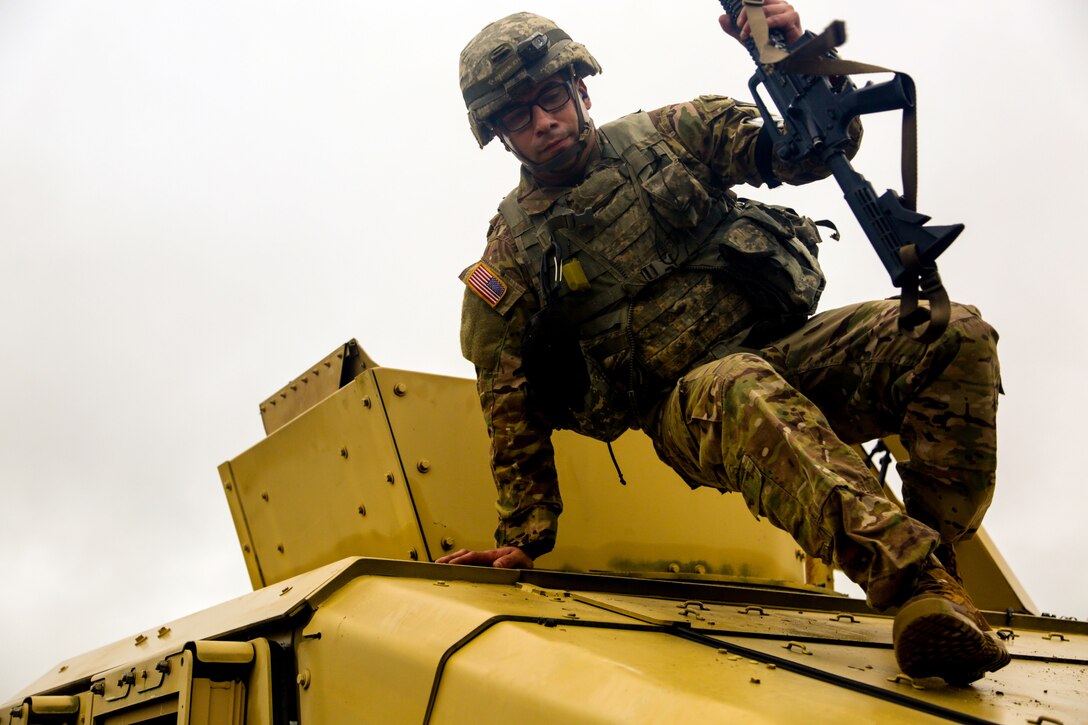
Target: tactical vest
[603, 249]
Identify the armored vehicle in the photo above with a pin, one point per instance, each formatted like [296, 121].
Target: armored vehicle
[658, 605]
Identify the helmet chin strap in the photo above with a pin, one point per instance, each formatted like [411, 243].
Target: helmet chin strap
[565, 160]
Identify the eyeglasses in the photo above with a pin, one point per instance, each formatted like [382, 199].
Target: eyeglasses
[517, 118]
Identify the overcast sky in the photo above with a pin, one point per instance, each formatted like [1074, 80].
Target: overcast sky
[199, 199]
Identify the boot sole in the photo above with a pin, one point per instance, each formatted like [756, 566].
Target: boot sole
[933, 639]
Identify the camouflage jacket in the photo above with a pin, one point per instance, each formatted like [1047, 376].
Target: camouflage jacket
[716, 138]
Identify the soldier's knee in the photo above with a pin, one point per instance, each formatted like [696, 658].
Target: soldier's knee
[967, 321]
[975, 343]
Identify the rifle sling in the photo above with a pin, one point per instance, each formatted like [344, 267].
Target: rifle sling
[757, 24]
[912, 316]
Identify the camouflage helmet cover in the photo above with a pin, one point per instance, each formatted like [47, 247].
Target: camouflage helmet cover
[509, 56]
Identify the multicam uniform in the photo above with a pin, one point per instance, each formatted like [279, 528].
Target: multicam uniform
[774, 423]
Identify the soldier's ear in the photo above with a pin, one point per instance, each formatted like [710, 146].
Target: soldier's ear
[584, 93]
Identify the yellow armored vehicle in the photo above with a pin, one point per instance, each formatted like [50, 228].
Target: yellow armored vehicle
[658, 605]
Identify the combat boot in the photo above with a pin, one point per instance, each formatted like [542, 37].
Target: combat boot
[940, 633]
[946, 554]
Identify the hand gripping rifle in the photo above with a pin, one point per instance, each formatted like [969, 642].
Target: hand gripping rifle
[816, 118]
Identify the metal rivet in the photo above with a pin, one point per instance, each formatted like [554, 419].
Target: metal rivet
[362, 510]
[423, 466]
[264, 495]
[245, 548]
[366, 401]
[413, 554]
[674, 568]
[343, 452]
[400, 390]
[447, 543]
[303, 679]
[279, 548]
[700, 569]
[228, 486]
[389, 477]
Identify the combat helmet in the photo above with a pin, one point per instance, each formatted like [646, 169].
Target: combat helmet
[512, 54]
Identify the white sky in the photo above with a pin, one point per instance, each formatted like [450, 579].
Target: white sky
[199, 199]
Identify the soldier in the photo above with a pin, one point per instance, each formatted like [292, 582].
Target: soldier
[625, 285]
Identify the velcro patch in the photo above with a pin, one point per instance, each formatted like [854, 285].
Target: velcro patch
[484, 282]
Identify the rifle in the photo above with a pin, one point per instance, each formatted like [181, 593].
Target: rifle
[816, 118]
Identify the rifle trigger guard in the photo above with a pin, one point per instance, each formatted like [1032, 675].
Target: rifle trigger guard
[923, 283]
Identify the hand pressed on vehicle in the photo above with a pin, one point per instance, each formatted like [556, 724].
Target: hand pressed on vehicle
[506, 557]
[780, 16]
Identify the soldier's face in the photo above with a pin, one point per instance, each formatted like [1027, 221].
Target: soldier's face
[549, 132]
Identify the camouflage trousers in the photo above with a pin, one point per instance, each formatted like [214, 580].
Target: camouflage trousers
[777, 425]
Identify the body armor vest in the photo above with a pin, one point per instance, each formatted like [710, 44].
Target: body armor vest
[612, 334]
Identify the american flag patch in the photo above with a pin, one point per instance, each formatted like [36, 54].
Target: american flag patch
[486, 283]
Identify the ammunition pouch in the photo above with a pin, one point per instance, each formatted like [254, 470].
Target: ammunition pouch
[607, 410]
[554, 365]
[771, 252]
[567, 384]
